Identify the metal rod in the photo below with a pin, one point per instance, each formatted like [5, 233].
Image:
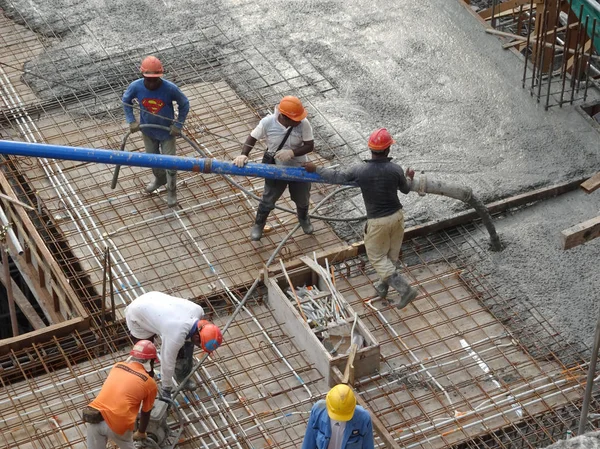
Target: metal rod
[589, 62]
[576, 55]
[9, 293]
[565, 55]
[589, 385]
[556, 23]
[103, 306]
[542, 55]
[528, 42]
[10, 233]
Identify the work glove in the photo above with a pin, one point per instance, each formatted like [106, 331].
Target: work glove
[139, 435]
[284, 155]
[134, 127]
[240, 160]
[165, 393]
[175, 131]
[410, 173]
[310, 167]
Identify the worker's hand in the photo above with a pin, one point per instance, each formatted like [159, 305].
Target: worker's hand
[240, 160]
[284, 155]
[139, 435]
[134, 127]
[165, 393]
[174, 131]
[310, 167]
[410, 173]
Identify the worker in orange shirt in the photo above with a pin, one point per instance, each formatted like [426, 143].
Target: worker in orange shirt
[112, 415]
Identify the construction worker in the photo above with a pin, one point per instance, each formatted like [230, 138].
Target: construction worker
[338, 423]
[289, 139]
[112, 415]
[180, 324]
[155, 97]
[379, 180]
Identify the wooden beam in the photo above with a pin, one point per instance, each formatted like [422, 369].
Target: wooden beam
[378, 426]
[581, 233]
[24, 305]
[42, 335]
[591, 184]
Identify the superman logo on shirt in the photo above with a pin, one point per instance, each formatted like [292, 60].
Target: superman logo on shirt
[153, 104]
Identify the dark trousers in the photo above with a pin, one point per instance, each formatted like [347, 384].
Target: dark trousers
[274, 188]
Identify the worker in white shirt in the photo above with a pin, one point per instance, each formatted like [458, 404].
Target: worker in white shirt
[180, 325]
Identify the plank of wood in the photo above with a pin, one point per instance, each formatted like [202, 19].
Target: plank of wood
[591, 184]
[378, 426]
[581, 233]
[24, 305]
[42, 335]
[586, 50]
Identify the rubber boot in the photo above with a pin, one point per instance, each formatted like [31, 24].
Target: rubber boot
[259, 224]
[171, 190]
[407, 293]
[381, 287]
[304, 220]
[155, 185]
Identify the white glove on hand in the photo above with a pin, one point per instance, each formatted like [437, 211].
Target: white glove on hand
[174, 131]
[134, 127]
[284, 155]
[240, 160]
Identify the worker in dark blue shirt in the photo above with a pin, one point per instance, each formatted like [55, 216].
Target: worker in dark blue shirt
[338, 423]
[379, 180]
[155, 97]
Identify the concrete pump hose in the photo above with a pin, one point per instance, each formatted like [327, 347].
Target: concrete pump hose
[229, 179]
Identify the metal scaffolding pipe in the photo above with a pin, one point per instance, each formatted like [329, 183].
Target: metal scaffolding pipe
[421, 185]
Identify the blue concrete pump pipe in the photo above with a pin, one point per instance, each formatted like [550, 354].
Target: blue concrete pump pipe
[422, 185]
[197, 165]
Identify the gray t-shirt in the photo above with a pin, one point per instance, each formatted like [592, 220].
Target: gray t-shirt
[337, 434]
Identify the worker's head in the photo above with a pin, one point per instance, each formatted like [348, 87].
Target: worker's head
[152, 71]
[341, 403]
[291, 111]
[208, 337]
[144, 352]
[380, 142]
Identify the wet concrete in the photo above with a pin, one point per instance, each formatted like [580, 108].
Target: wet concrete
[425, 70]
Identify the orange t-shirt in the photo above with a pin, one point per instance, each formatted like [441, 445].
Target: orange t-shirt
[125, 388]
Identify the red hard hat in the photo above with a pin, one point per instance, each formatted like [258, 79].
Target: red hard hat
[210, 336]
[380, 140]
[144, 350]
[152, 67]
[292, 108]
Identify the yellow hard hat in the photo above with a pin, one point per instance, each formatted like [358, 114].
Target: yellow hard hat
[340, 403]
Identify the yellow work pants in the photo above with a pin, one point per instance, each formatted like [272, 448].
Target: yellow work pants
[383, 239]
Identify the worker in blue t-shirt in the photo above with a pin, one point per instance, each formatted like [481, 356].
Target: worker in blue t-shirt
[338, 423]
[155, 97]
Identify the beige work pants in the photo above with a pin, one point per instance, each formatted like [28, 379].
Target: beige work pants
[383, 239]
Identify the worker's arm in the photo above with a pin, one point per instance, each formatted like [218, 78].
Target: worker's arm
[248, 145]
[403, 184]
[368, 442]
[184, 107]
[307, 147]
[144, 420]
[171, 344]
[310, 436]
[332, 175]
[128, 97]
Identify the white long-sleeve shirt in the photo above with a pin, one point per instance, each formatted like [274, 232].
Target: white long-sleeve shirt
[155, 313]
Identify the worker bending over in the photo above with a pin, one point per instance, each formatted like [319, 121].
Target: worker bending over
[155, 97]
[181, 326]
[338, 423]
[112, 415]
[289, 139]
[379, 180]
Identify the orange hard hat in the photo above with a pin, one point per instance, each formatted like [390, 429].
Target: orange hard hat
[144, 350]
[210, 336]
[380, 140]
[151, 67]
[292, 108]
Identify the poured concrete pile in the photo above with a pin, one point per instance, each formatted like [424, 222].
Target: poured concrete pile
[424, 69]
